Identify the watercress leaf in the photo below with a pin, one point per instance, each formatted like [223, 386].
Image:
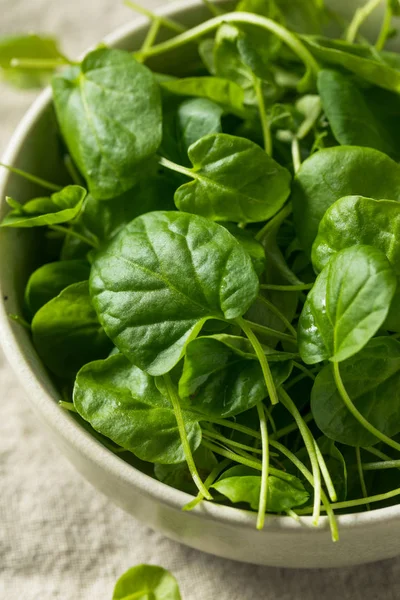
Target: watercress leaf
[30, 47]
[206, 51]
[241, 484]
[186, 122]
[60, 207]
[109, 111]
[66, 332]
[250, 244]
[303, 16]
[234, 180]
[147, 582]
[179, 477]
[222, 91]
[357, 58]
[348, 303]
[50, 279]
[222, 377]
[336, 172]
[353, 119]
[123, 403]
[355, 220]
[372, 380]
[161, 278]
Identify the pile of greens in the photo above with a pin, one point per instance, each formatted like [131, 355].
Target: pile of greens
[218, 299]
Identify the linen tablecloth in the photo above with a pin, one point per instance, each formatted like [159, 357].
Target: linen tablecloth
[59, 537]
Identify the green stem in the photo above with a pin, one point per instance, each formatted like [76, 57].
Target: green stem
[279, 314]
[235, 427]
[304, 369]
[151, 35]
[361, 475]
[310, 447]
[175, 167]
[263, 116]
[306, 473]
[295, 516]
[385, 29]
[169, 23]
[377, 453]
[262, 506]
[296, 156]
[73, 171]
[221, 438]
[358, 502]
[270, 418]
[21, 321]
[73, 233]
[287, 288]
[289, 428]
[38, 180]
[208, 483]
[360, 15]
[285, 212]
[356, 413]
[289, 38]
[174, 399]
[325, 473]
[212, 8]
[269, 382]
[270, 332]
[384, 464]
[67, 406]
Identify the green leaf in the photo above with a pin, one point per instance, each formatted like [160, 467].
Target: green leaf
[372, 380]
[357, 58]
[186, 122]
[60, 207]
[222, 91]
[250, 244]
[50, 279]
[32, 47]
[354, 118]
[353, 221]
[241, 484]
[179, 477]
[222, 377]
[147, 582]
[161, 278]
[336, 172]
[234, 180]
[123, 403]
[348, 303]
[109, 111]
[66, 332]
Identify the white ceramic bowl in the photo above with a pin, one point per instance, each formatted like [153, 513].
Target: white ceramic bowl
[220, 530]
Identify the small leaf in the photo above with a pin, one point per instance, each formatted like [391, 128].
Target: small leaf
[222, 377]
[66, 332]
[250, 244]
[241, 484]
[50, 279]
[147, 582]
[60, 207]
[109, 111]
[372, 380]
[161, 278]
[348, 303]
[122, 402]
[234, 180]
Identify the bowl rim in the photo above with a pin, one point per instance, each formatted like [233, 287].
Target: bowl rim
[73, 434]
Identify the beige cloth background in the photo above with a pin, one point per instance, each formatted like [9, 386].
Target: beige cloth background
[61, 539]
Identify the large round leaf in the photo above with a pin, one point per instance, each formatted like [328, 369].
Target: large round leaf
[67, 333]
[336, 172]
[109, 111]
[348, 303]
[222, 377]
[355, 220]
[161, 278]
[234, 180]
[146, 582]
[122, 402]
[372, 380]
